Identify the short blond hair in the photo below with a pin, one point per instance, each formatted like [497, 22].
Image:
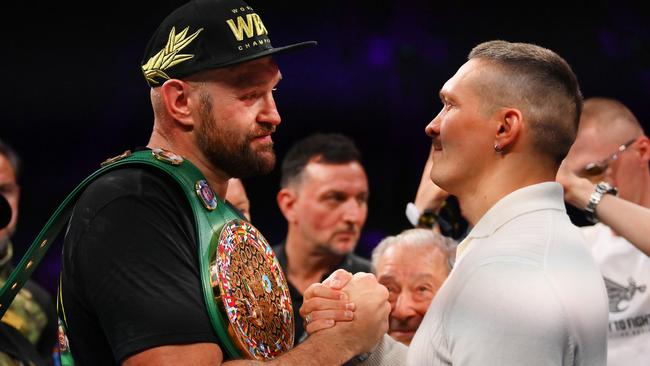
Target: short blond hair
[541, 84]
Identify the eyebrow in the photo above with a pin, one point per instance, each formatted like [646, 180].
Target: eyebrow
[418, 276]
[251, 79]
[423, 276]
[386, 277]
[445, 95]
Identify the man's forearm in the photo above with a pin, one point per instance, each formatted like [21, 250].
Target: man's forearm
[627, 219]
[320, 349]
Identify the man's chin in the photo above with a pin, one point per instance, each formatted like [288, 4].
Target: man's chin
[344, 248]
[402, 336]
[263, 164]
[266, 161]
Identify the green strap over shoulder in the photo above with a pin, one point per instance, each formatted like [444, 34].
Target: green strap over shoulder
[210, 213]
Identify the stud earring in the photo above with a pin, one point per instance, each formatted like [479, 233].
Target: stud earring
[497, 148]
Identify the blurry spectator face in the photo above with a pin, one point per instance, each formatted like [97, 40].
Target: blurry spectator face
[412, 275]
[330, 205]
[236, 195]
[11, 191]
[614, 158]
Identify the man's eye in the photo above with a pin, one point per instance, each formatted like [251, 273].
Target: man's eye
[336, 197]
[424, 289]
[392, 289]
[250, 96]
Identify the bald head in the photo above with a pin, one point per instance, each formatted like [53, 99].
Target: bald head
[611, 118]
[611, 146]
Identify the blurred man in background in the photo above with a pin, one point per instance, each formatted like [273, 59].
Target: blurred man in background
[237, 197]
[324, 198]
[612, 151]
[28, 328]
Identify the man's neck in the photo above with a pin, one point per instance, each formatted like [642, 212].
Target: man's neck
[217, 179]
[644, 195]
[306, 266]
[498, 183]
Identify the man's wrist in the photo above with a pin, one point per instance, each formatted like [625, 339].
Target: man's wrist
[358, 359]
[578, 194]
[412, 214]
[427, 219]
[329, 339]
[601, 189]
[422, 219]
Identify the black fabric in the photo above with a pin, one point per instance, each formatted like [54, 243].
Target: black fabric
[351, 263]
[131, 278]
[14, 344]
[5, 212]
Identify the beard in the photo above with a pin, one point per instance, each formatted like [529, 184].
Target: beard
[231, 151]
[331, 249]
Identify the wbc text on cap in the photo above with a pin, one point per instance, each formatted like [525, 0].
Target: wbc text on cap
[207, 34]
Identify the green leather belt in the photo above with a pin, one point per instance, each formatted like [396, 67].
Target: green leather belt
[220, 232]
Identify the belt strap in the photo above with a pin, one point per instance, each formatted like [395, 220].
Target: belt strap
[210, 213]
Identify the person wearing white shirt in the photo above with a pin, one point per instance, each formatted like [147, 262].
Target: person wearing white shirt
[524, 289]
[612, 150]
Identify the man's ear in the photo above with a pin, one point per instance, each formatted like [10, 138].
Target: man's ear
[509, 126]
[286, 202]
[176, 96]
[643, 147]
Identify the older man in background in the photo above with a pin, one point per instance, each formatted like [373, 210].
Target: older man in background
[412, 265]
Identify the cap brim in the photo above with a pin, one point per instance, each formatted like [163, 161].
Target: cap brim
[272, 51]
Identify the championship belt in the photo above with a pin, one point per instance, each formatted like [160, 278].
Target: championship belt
[249, 287]
[245, 292]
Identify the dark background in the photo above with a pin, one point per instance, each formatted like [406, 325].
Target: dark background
[73, 94]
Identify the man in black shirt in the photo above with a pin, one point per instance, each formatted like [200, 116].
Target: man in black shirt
[131, 290]
[324, 198]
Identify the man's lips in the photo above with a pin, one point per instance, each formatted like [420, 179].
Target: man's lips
[402, 336]
[403, 331]
[437, 145]
[264, 138]
[346, 233]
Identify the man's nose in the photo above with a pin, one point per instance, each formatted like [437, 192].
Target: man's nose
[403, 307]
[433, 128]
[354, 211]
[269, 113]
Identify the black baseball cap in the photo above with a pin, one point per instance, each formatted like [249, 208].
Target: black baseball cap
[207, 34]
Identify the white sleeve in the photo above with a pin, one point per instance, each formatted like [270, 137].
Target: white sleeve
[388, 352]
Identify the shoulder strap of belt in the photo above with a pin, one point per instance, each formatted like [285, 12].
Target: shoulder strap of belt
[210, 213]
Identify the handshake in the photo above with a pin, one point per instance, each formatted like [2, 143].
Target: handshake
[346, 312]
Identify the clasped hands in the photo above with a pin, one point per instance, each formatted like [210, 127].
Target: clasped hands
[355, 305]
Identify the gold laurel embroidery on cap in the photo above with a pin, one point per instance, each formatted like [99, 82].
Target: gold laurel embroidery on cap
[169, 56]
